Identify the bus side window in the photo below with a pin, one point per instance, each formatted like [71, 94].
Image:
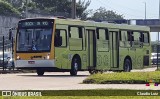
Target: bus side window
[130, 36]
[120, 36]
[97, 33]
[80, 30]
[141, 38]
[102, 34]
[74, 32]
[56, 38]
[146, 37]
[137, 39]
[60, 38]
[123, 36]
[76, 39]
[102, 39]
[107, 34]
[136, 36]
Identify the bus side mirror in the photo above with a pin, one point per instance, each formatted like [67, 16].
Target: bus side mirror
[10, 34]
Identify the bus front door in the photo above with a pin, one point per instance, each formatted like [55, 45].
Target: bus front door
[91, 48]
[114, 49]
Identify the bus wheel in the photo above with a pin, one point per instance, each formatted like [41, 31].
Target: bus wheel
[40, 72]
[101, 71]
[91, 72]
[127, 65]
[96, 71]
[74, 67]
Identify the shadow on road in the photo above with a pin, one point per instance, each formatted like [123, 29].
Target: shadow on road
[54, 76]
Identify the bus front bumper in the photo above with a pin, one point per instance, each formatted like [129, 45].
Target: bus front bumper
[34, 63]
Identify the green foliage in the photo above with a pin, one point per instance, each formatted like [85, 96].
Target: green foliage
[15, 3]
[56, 5]
[7, 9]
[20, 5]
[82, 11]
[105, 15]
[62, 7]
[53, 7]
[124, 77]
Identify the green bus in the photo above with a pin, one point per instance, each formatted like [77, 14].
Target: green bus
[67, 45]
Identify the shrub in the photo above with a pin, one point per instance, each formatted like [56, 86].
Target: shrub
[124, 78]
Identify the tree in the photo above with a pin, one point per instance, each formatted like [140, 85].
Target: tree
[7, 9]
[21, 4]
[82, 11]
[15, 3]
[102, 14]
[63, 7]
[53, 7]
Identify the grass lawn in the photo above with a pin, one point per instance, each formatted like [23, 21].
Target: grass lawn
[124, 78]
[92, 94]
[86, 97]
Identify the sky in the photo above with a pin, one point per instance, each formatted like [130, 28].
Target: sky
[131, 9]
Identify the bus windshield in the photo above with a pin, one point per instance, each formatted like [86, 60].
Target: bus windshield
[34, 39]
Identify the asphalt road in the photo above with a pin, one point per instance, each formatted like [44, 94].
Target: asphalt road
[60, 81]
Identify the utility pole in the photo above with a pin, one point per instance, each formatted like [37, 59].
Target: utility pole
[73, 9]
[158, 40]
[159, 9]
[145, 9]
[159, 19]
[26, 12]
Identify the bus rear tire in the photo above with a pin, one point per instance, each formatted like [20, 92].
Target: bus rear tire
[74, 67]
[91, 72]
[40, 72]
[127, 65]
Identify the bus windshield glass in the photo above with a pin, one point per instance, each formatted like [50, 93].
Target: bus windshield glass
[34, 38]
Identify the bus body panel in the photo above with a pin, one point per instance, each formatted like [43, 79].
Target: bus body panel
[71, 47]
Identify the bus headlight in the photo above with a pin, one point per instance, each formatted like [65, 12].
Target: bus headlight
[18, 58]
[48, 57]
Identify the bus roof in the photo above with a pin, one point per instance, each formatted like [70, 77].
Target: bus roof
[101, 24]
[93, 23]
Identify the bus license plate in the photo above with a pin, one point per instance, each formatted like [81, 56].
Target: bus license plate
[31, 62]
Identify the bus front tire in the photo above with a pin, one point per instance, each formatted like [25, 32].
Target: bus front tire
[91, 72]
[127, 65]
[74, 67]
[40, 72]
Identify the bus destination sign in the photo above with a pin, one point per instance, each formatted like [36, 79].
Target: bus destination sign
[35, 24]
